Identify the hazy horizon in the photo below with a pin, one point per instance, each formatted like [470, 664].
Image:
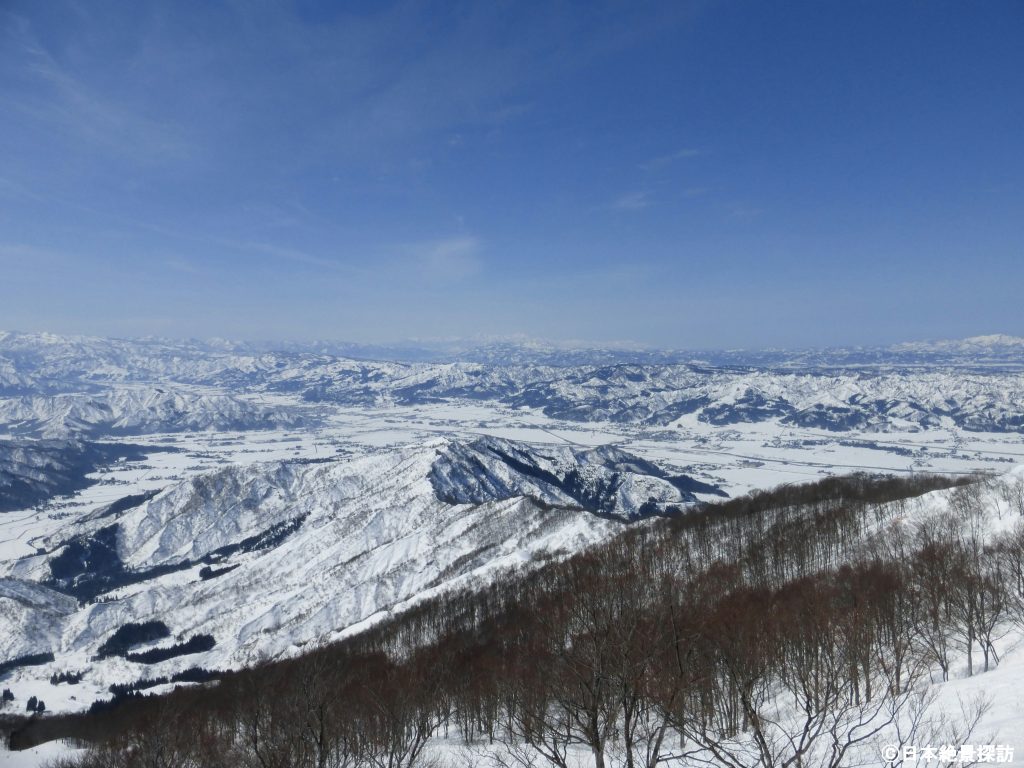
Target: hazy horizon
[469, 343]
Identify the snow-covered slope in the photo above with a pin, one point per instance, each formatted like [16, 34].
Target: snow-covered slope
[605, 481]
[138, 411]
[32, 616]
[270, 557]
[32, 471]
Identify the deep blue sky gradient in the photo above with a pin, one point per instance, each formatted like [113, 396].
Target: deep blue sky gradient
[680, 174]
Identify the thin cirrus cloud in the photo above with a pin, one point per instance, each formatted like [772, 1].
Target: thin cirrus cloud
[287, 253]
[663, 161]
[632, 201]
[450, 259]
[56, 98]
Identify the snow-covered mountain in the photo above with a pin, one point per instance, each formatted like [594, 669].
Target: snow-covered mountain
[835, 401]
[32, 471]
[138, 410]
[59, 386]
[267, 558]
[995, 344]
[978, 352]
[38, 360]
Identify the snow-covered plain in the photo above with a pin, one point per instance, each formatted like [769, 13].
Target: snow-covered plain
[739, 457]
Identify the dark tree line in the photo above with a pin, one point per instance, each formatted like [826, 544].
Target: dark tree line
[785, 628]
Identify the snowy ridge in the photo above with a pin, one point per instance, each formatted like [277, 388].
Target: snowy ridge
[31, 616]
[297, 553]
[990, 344]
[139, 410]
[32, 471]
[604, 481]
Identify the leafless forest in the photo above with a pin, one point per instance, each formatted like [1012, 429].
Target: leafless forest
[791, 627]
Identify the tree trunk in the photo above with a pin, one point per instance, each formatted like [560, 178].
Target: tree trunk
[970, 653]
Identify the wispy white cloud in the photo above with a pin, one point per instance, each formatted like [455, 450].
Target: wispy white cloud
[60, 100]
[506, 113]
[741, 210]
[12, 254]
[183, 266]
[666, 160]
[453, 258]
[632, 201]
[287, 253]
[15, 190]
[436, 260]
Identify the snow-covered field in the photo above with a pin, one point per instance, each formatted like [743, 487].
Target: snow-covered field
[739, 457]
[37, 757]
[745, 455]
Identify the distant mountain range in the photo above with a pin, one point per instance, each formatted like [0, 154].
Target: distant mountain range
[974, 352]
[82, 387]
[978, 351]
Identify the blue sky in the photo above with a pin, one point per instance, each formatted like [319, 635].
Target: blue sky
[678, 174]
